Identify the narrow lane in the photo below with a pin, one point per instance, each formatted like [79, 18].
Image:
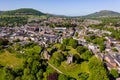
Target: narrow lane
[54, 67]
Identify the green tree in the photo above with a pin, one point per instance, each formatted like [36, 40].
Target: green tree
[8, 76]
[87, 55]
[97, 70]
[31, 77]
[114, 73]
[39, 75]
[57, 58]
[83, 76]
[73, 43]
[66, 41]
[81, 49]
[63, 47]
[26, 71]
[62, 77]
[18, 78]
[76, 58]
[76, 34]
[102, 47]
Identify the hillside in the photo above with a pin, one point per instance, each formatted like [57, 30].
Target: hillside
[1, 12]
[23, 11]
[103, 13]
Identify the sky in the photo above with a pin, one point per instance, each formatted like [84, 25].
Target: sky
[63, 7]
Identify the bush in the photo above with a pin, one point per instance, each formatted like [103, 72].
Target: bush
[114, 73]
[81, 49]
[63, 47]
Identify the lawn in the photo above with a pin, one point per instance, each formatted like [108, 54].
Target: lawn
[71, 50]
[1, 74]
[57, 45]
[8, 59]
[73, 69]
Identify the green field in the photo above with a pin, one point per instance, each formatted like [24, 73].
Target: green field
[73, 69]
[8, 59]
[71, 50]
[1, 74]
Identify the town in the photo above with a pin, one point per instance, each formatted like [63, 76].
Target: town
[97, 41]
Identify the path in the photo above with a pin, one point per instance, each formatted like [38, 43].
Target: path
[54, 67]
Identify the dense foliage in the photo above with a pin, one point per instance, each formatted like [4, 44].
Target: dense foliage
[114, 73]
[71, 42]
[12, 21]
[97, 70]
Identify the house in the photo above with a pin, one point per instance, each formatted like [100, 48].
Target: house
[112, 41]
[110, 60]
[117, 78]
[109, 66]
[46, 55]
[93, 48]
[117, 59]
[69, 59]
[100, 55]
[60, 29]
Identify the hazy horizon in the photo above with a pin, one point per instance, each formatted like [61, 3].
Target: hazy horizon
[63, 7]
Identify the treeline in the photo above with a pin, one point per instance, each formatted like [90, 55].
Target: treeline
[115, 32]
[12, 21]
[114, 21]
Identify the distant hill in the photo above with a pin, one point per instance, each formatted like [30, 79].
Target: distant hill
[22, 11]
[103, 13]
[1, 12]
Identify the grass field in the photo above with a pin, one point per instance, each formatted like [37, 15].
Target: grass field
[71, 50]
[7, 59]
[57, 45]
[73, 69]
[1, 74]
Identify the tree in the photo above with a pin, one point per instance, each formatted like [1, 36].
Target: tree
[114, 73]
[35, 67]
[57, 58]
[97, 70]
[92, 37]
[93, 63]
[83, 76]
[66, 41]
[62, 77]
[18, 78]
[81, 49]
[63, 47]
[39, 75]
[76, 58]
[76, 34]
[4, 42]
[73, 43]
[8, 76]
[87, 55]
[102, 47]
[26, 71]
[114, 49]
[30, 60]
